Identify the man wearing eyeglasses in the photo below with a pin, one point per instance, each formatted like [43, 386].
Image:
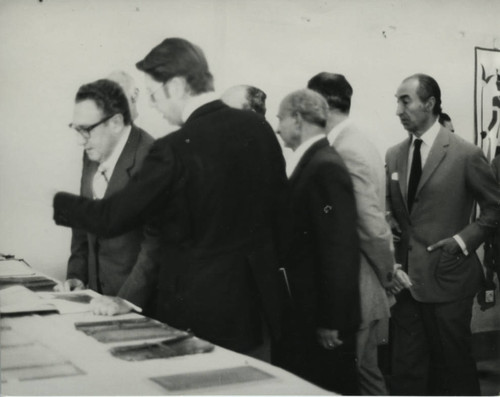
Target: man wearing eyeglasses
[218, 186]
[114, 150]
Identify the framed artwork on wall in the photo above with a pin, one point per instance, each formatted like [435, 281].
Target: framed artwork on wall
[487, 100]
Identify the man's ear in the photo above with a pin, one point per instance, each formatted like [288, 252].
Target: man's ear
[299, 121]
[429, 104]
[177, 87]
[117, 122]
[135, 95]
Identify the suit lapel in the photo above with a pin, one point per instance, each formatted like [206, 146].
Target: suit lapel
[306, 158]
[402, 168]
[89, 170]
[436, 155]
[124, 165]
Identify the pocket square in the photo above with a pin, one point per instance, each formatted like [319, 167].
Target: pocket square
[395, 176]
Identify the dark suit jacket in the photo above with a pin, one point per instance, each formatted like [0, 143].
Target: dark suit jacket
[323, 261]
[105, 263]
[455, 175]
[217, 186]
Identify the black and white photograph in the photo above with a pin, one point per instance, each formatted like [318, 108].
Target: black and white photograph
[249, 197]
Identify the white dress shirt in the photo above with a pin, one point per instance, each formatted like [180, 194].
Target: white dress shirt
[294, 157]
[106, 168]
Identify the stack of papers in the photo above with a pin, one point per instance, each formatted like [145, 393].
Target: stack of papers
[19, 299]
[13, 268]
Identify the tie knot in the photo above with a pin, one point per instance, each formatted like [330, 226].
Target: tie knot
[418, 143]
[104, 174]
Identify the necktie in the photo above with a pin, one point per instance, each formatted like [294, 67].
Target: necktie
[415, 173]
[100, 184]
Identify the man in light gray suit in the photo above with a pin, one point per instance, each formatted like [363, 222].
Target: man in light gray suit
[432, 349]
[378, 273]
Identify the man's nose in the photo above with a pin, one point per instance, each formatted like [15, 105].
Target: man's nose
[399, 110]
[80, 139]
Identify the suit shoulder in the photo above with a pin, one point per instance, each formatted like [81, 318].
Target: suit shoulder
[328, 158]
[464, 145]
[146, 138]
[359, 151]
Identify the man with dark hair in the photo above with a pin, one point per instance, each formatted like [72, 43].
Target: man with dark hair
[246, 97]
[217, 186]
[114, 152]
[445, 121]
[432, 352]
[378, 270]
[323, 259]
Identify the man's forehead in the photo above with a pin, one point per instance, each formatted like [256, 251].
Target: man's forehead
[407, 88]
[87, 110]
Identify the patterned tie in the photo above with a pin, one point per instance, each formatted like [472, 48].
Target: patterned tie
[415, 173]
[100, 183]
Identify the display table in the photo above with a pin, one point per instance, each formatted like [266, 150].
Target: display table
[92, 370]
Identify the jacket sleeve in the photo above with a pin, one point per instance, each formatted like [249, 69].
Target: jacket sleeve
[78, 260]
[141, 284]
[486, 191]
[333, 212]
[374, 232]
[159, 176]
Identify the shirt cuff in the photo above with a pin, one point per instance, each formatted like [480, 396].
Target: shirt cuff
[461, 243]
[132, 306]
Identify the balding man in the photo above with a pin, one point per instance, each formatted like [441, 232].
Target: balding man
[323, 261]
[114, 149]
[245, 97]
[432, 351]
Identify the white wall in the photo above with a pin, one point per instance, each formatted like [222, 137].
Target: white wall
[49, 48]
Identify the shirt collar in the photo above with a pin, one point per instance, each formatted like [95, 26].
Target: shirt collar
[296, 155]
[429, 136]
[335, 131]
[195, 102]
[109, 164]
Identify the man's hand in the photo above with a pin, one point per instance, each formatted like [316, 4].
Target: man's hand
[71, 284]
[109, 306]
[328, 338]
[400, 280]
[448, 245]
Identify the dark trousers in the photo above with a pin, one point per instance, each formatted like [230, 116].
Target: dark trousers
[335, 370]
[432, 348]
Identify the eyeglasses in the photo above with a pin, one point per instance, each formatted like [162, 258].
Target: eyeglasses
[152, 97]
[85, 131]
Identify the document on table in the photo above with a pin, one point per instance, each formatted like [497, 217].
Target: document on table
[70, 302]
[19, 299]
[14, 267]
[34, 361]
[214, 378]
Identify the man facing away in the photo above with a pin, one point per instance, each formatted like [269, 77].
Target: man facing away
[379, 275]
[432, 352]
[114, 149]
[217, 187]
[322, 263]
[245, 97]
